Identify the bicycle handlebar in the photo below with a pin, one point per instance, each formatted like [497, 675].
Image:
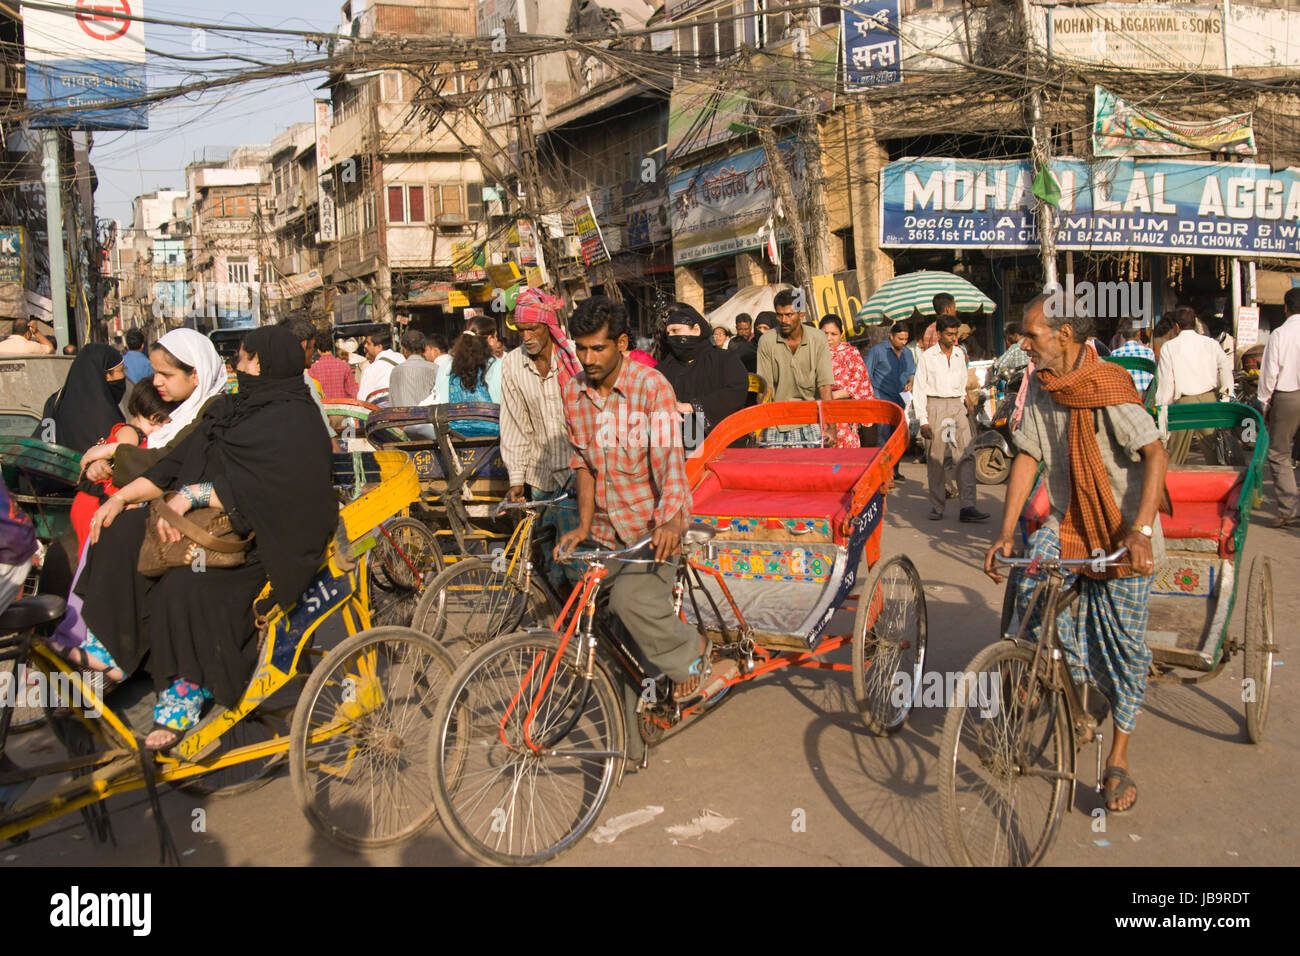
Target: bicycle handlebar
[508, 505]
[1105, 561]
[601, 554]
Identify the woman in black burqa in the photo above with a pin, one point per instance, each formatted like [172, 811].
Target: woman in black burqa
[263, 456]
[86, 408]
[710, 383]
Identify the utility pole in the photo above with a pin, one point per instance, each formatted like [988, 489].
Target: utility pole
[1042, 156]
[810, 145]
[530, 171]
[50, 168]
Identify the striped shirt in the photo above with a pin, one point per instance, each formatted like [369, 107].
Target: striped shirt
[534, 436]
[1135, 349]
[631, 442]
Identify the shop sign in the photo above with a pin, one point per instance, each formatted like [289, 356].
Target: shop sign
[1140, 36]
[873, 48]
[722, 208]
[469, 261]
[11, 254]
[1121, 129]
[1168, 206]
[424, 292]
[838, 295]
[300, 283]
[587, 231]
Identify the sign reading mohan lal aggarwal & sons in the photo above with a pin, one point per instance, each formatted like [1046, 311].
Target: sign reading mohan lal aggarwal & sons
[1166, 205]
[1140, 36]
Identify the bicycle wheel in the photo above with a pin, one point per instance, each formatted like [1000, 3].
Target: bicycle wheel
[1002, 762]
[13, 677]
[469, 604]
[401, 562]
[500, 800]
[359, 747]
[1259, 646]
[889, 632]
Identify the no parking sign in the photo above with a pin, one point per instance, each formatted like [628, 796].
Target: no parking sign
[88, 55]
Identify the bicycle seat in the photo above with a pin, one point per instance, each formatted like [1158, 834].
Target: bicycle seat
[698, 533]
[30, 612]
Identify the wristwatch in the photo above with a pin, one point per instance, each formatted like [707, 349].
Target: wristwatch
[1145, 529]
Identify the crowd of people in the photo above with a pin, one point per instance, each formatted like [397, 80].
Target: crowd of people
[188, 442]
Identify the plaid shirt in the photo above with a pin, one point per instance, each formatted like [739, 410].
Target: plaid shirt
[631, 443]
[335, 377]
[1136, 349]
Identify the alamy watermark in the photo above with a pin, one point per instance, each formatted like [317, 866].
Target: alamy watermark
[1101, 300]
[659, 429]
[949, 689]
[33, 688]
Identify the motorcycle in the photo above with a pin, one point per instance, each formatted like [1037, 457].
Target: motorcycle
[994, 449]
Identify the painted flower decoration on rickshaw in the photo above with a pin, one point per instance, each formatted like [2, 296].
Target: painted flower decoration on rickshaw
[1187, 579]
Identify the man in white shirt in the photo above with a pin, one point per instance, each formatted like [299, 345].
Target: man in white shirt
[939, 398]
[26, 340]
[1190, 369]
[378, 350]
[435, 349]
[1279, 393]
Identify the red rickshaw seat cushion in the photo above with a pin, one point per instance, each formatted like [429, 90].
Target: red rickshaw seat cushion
[1205, 505]
[782, 482]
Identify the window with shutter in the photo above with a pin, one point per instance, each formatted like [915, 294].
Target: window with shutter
[474, 203]
[396, 212]
[415, 196]
[452, 204]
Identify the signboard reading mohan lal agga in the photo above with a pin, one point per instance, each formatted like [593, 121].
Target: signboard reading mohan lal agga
[1117, 205]
[1140, 36]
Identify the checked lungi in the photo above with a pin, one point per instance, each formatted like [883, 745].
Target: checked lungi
[1103, 635]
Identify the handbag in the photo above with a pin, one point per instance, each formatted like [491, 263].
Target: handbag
[205, 531]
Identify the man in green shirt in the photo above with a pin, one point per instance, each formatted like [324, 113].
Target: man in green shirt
[795, 361]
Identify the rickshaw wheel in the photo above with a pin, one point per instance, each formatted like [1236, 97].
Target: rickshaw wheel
[359, 747]
[24, 717]
[469, 604]
[1002, 762]
[889, 634]
[394, 587]
[1258, 664]
[502, 801]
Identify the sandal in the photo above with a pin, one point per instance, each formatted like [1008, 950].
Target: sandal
[177, 710]
[90, 655]
[701, 670]
[1111, 794]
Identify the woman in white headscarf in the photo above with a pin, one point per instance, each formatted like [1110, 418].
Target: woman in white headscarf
[186, 369]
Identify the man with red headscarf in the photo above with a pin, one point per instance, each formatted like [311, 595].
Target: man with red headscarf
[534, 433]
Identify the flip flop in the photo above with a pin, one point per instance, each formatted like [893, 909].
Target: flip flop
[701, 668]
[1111, 794]
[177, 737]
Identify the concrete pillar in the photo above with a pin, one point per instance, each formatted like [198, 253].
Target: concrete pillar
[869, 157]
[689, 287]
[750, 269]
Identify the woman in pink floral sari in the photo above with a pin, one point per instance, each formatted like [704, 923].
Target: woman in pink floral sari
[851, 379]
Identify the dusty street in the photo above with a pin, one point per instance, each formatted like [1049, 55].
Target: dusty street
[783, 773]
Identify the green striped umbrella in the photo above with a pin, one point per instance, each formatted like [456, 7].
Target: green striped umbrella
[898, 298]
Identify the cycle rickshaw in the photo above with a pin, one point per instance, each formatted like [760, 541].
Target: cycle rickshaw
[1009, 771]
[532, 734]
[361, 780]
